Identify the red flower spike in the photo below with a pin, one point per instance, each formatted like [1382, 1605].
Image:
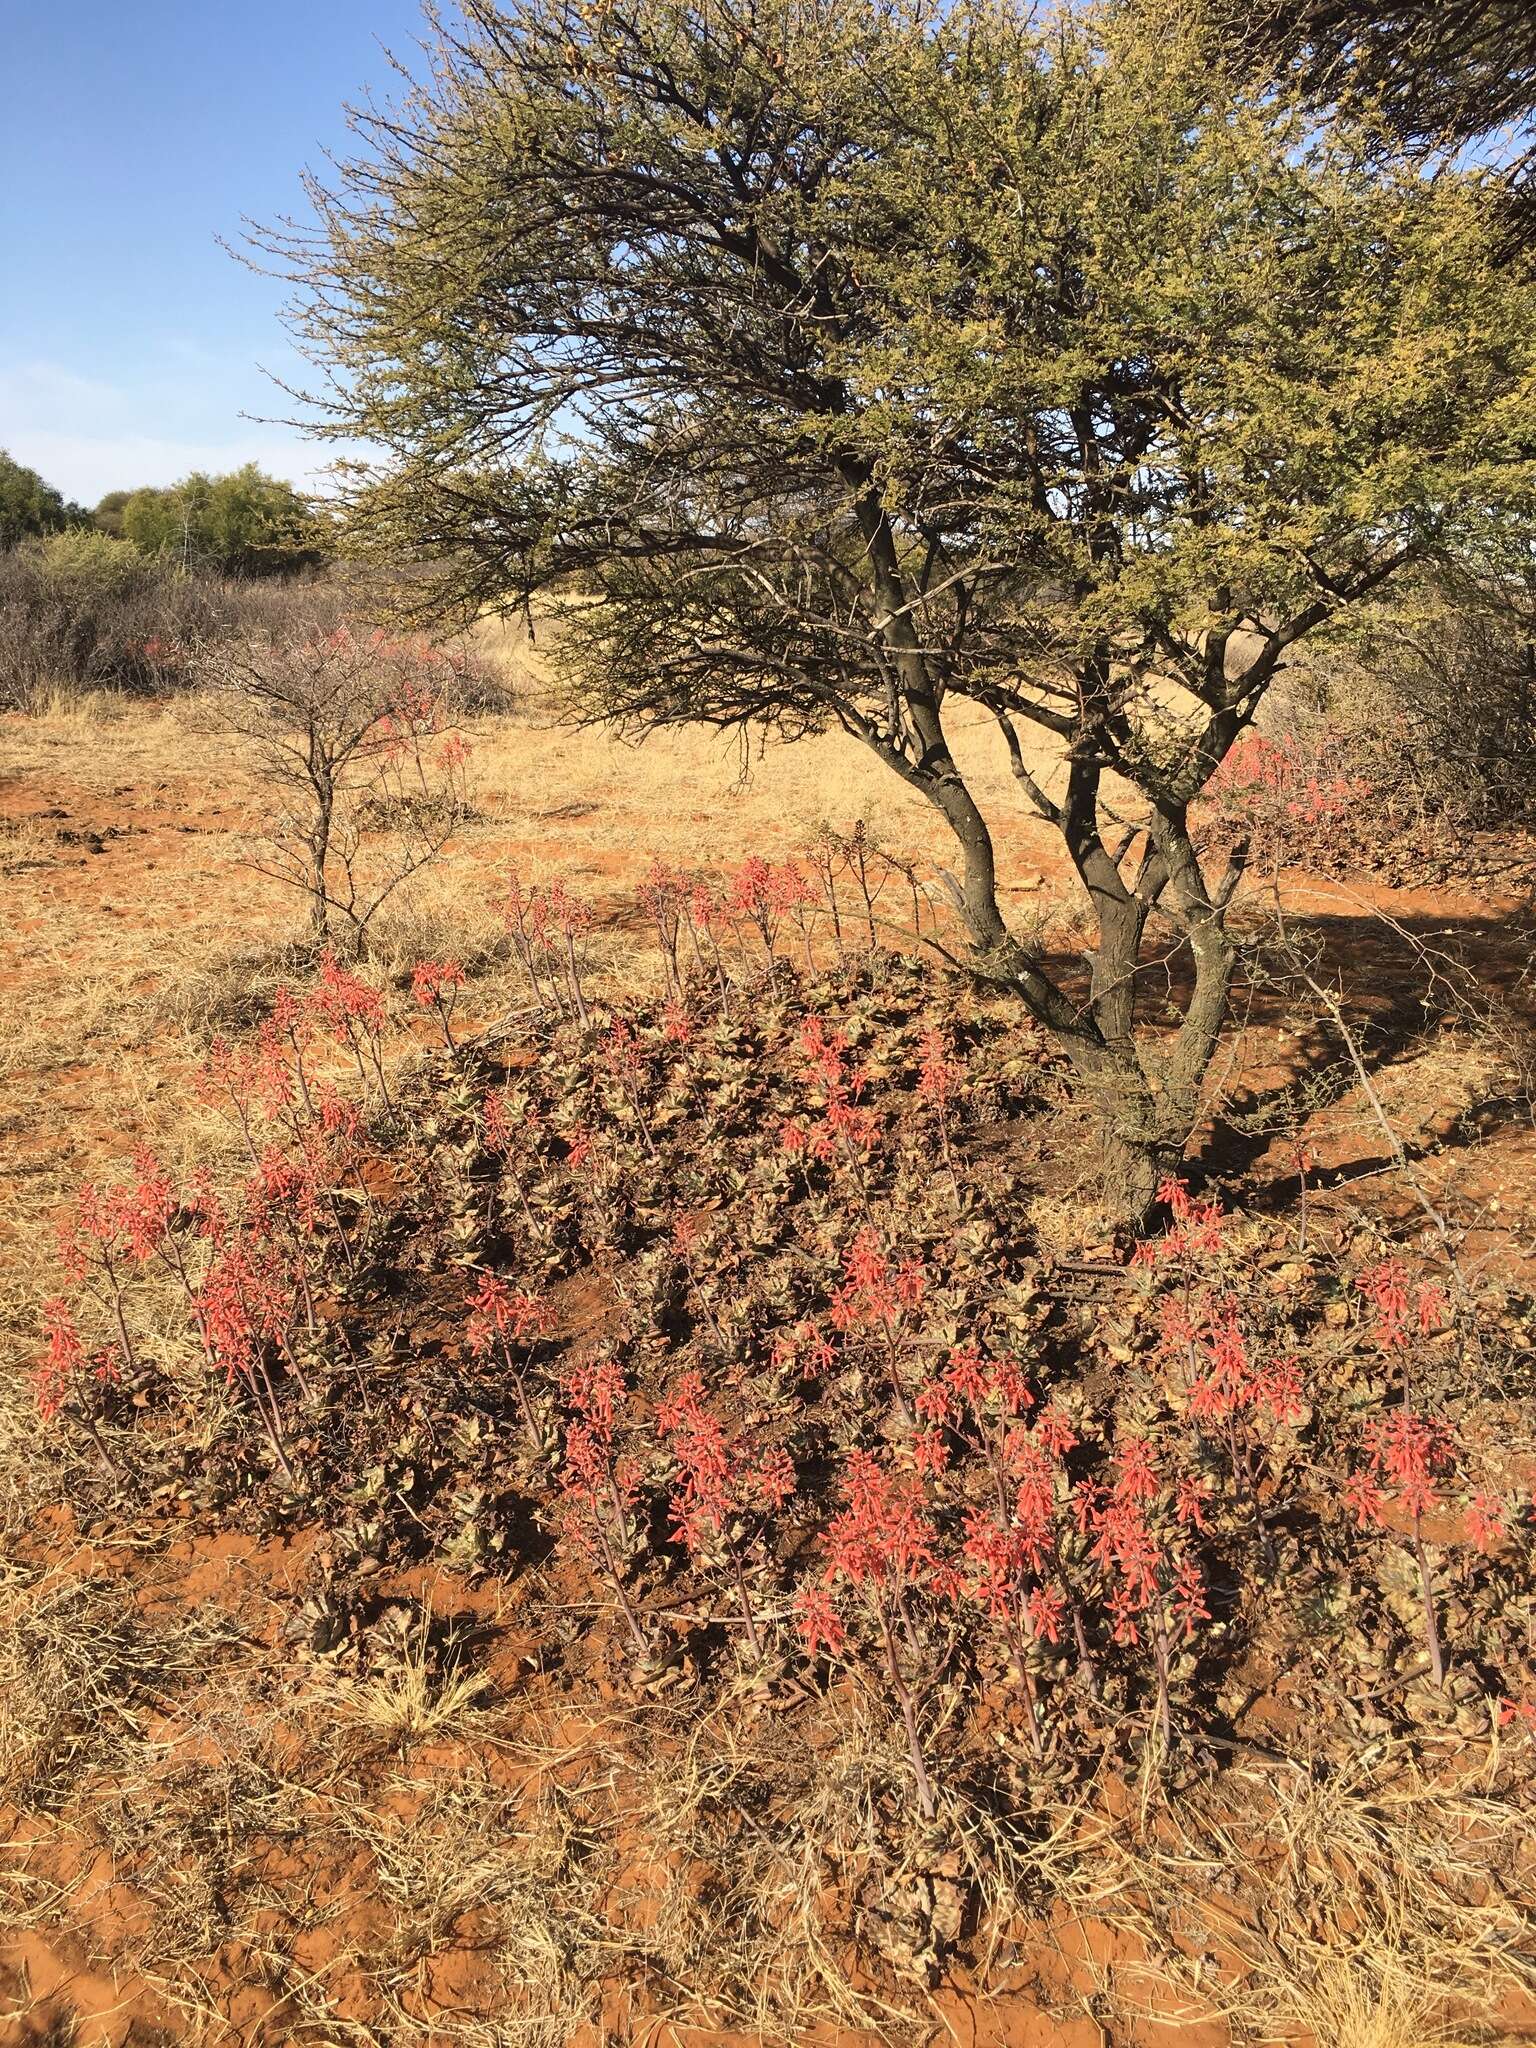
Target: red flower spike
[64, 1362]
[1484, 1522]
[821, 1626]
[1046, 1609]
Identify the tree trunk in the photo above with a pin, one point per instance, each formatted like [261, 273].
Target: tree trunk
[1141, 1135]
[323, 786]
[1132, 1170]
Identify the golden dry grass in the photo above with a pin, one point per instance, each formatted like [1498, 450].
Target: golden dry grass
[1384, 1905]
[416, 1696]
[508, 1877]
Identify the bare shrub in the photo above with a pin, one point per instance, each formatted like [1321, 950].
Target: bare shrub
[1433, 700]
[75, 618]
[355, 735]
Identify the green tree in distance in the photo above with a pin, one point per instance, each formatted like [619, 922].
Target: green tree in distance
[876, 365]
[108, 515]
[30, 506]
[243, 521]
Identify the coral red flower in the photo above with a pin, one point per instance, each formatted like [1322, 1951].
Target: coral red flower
[883, 1536]
[930, 1452]
[773, 1483]
[1046, 1608]
[821, 1626]
[1484, 1521]
[63, 1365]
[938, 1075]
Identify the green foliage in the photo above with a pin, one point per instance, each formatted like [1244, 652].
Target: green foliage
[244, 521]
[28, 505]
[80, 564]
[108, 515]
[1439, 73]
[666, 297]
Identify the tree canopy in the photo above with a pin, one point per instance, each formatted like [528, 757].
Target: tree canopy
[30, 506]
[244, 520]
[863, 361]
[107, 514]
[1440, 73]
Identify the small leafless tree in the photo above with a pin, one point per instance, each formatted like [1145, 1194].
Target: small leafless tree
[353, 734]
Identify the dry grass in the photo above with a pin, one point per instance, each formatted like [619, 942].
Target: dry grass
[1386, 1905]
[83, 1675]
[482, 1872]
[1381, 2007]
[420, 1692]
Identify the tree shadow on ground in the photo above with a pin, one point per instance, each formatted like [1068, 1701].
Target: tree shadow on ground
[1401, 982]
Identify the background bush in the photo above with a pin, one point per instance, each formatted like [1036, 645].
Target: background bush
[81, 565]
[29, 505]
[87, 616]
[1432, 700]
[81, 611]
[244, 523]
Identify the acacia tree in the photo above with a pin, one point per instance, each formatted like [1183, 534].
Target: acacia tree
[855, 362]
[30, 506]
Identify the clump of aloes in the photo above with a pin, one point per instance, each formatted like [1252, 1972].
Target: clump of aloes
[762, 895]
[882, 1560]
[1196, 1233]
[244, 1300]
[110, 1232]
[277, 1078]
[351, 1011]
[1234, 1389]
[241, 1307]
[1400, 1311]
[549, 927]
[663, 896]
[846, 1128]
[1232, 1395]
[1407, 1459]
[509, 1324]
[1013, 1565]
[70, 1378]
[245, 1276]
[292, 1191]
[683, 907]
[722, 1497]
[1284, 796]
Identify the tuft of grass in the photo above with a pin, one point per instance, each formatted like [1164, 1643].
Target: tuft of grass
[1374, 2004]
[423, 1691]
[24, 843]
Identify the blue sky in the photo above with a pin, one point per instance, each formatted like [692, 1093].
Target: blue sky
[135, 133]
